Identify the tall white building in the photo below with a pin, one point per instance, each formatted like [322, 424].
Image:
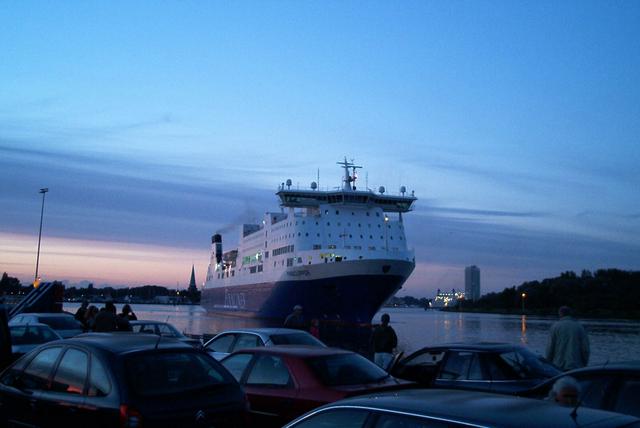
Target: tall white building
[472, 283]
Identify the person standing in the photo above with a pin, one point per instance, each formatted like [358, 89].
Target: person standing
[295, 319]
[568, 346]
[106, 319]
[384, 341]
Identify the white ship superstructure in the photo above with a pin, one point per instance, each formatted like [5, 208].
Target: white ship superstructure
[339, 253]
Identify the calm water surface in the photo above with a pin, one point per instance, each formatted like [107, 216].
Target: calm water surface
[612, 340]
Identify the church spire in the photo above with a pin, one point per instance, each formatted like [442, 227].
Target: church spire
[192, 282]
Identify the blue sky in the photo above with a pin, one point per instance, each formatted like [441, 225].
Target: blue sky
[154, 124]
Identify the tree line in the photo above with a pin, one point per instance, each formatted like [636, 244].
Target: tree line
[606, 293]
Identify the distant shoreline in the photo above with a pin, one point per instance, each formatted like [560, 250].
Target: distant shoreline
[601, 314]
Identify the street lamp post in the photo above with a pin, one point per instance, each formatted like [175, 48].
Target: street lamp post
[43, 191]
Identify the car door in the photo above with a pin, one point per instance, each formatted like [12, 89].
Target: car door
[63, 401]
[271, 390]
[220, 346]
[21, 388]
[421, 366]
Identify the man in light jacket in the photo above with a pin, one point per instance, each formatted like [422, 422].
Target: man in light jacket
[568, 346]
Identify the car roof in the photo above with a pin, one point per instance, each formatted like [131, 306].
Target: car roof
[264, 330]
[303, 351]
[478, 346]
[133, 322]
[616, 366]
[46, 314]
[482, 408]
[31, 324]
[123, 342]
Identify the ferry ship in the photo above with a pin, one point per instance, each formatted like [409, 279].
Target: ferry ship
[340, 254]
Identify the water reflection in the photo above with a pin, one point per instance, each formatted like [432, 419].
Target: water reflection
[613, 340]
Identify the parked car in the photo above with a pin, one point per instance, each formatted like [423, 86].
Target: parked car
[63, 323]
[283, 382]
[25, 337]
[494, 367]
[120, 380]
[611, 386]
[234, 340]
[163, 329]
[441, 408]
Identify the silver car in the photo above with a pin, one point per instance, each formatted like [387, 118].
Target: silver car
[233, 340]
[63, 323]
[25, 337]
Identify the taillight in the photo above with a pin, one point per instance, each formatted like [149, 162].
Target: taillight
[129, 418]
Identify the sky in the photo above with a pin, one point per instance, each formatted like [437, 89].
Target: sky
[156, 124]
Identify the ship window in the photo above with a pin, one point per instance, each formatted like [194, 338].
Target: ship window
[350, 236]
[299, 259]
[370, 236]
[326, 211]
[296, 222]
[332, 247]
[381, 237]
[368, 214]
[359, 224]
[400, 238]
[329, 235]
[303, 222]
[266, 254]
[372, 248]
[369, 225]
[259, 268]
[377, 214]
[339, 223]
[252, 269]
[337, 212]
[317, 223]
[379, 226]
[361, 236]
[318, 235]
[274, 263]
[392, 238]
[352, 213]
[306, 234]
[317, 247]
[290, 262]
[328, 223]
[347, 247]
[299, 234]
[358, 247]
[360, 257]
[233, 273]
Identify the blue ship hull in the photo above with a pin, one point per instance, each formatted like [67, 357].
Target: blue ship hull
[351, 299]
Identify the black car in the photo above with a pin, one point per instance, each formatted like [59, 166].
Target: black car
[494, 367]
[120, 380]
[439, 408]
[612, 386]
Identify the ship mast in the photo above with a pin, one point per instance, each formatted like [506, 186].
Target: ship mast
[349, 178]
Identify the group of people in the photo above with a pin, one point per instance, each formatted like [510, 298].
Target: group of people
[105, 319]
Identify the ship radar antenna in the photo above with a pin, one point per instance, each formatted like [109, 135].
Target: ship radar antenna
[349, 178]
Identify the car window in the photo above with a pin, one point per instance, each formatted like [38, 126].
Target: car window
[475, 369]
[345, 369]
[295, 339]
[99, 384]
[221, 344]
[236, 364]
[388, 420]
[336, 418]
[71, 373]
[426, 358]
[628, 399]
[456, 366]
[36, 374]
[62, 323]
[166, 330]
[26, 335]
[594, 390]
[246, 341]
[166, 373]
[269, 370]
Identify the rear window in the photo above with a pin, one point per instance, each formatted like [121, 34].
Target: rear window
[345, 369]
[61, 323]
[295, 339]
[162, 373]
[29, 335]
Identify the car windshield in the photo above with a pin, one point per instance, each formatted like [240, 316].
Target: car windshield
[295, 339]
[61, 323]
[345, 369]
[527, 365]
[165, 373]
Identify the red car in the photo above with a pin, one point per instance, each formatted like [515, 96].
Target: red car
[283, 382]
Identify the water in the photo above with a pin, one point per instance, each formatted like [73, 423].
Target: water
[611, 340]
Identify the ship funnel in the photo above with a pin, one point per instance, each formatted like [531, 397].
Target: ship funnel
[216, 240]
